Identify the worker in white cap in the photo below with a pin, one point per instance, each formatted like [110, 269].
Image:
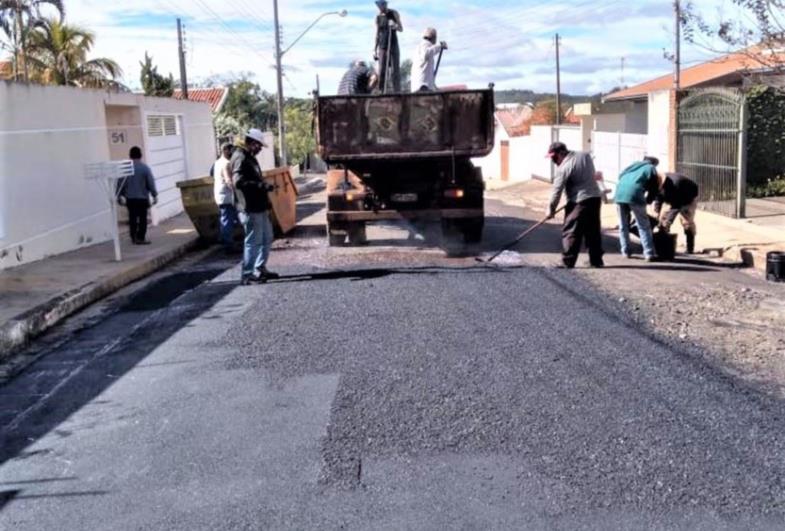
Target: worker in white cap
[424, 62]
[253, 208]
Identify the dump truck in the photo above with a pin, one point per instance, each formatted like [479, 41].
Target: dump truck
[405, 157]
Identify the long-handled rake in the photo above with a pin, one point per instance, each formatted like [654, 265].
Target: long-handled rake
[517, 240]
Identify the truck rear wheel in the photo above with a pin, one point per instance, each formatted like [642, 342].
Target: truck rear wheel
[336, 235]
[472, 230]
[357, 234]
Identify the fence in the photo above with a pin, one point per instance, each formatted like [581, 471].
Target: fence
[615, 151]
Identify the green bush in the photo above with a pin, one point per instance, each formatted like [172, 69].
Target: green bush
[766, 139]
[772, 188]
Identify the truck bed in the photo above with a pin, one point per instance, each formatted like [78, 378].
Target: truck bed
[405, 126]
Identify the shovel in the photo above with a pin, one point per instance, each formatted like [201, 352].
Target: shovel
[518, 239]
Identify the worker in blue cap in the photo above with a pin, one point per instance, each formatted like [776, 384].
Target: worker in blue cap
[386, 50]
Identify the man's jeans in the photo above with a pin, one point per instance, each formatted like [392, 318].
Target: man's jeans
[228, 222]
[258, 241]
[644, 229]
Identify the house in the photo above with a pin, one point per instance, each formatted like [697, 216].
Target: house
[215, 97]
[50, 134]
[6, 69]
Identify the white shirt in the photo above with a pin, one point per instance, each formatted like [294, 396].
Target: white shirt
[423, 65]
[224, 195]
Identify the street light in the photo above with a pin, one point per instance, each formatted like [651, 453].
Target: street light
[278, 56]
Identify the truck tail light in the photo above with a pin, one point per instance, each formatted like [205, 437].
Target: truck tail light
[454, 193]
[350, 196]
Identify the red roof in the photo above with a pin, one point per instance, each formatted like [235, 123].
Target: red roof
[517, 122]
[215, 97]
[732, 65]
[6, 69]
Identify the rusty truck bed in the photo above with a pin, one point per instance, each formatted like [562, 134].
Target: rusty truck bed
[405, 126]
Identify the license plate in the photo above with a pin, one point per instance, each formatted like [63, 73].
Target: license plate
[404, 198]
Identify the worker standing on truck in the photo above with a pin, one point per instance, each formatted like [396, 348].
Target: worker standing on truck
[253, 207]
[424, 62]
[575, 176]
[359, 79]
[386, 50]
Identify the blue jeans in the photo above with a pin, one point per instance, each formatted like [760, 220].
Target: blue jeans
[228, 222]
[644, 229]
[258, 241]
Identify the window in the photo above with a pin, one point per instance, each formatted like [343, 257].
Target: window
[162, 125]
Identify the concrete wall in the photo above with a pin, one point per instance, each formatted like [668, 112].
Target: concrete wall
[658, 142]
[47, 136]
[613, 152]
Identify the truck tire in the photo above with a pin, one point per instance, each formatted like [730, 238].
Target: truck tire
[336, 235]
[357, 234]
[472, 230]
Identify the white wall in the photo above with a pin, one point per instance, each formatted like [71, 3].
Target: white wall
[492, 164]
[658, 143]
[47, 136]
[613, 152]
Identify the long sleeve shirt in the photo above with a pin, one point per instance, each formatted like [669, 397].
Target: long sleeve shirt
[575, 178]
[141, 185]
[423, 66]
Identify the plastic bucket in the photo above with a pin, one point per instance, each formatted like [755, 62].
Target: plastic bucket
[665, 245]
[775, 266]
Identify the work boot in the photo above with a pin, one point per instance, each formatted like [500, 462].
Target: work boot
[690, 242]
[267, 274]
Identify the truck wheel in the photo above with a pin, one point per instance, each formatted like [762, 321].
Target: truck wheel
[337, 240]
[450, 231]
[357, 234]
[472, 231]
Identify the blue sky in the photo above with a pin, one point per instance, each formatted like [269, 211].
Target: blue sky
[508, 42]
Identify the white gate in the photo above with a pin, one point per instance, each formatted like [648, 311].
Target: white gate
[167, 158]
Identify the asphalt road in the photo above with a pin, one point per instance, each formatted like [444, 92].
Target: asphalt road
[382, 388]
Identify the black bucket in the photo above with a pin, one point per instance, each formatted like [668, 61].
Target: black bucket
[665, 245]
[775, 266]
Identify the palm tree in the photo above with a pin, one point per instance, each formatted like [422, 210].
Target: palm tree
[17, 19]
[57, 54]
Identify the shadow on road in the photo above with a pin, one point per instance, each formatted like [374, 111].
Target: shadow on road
[41, 398]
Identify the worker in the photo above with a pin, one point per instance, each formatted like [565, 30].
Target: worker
[253, 208]
[359, 79]
[424, 61]
[680, 193]
[223, 191]
[575, 177]
[638, 186]
[135, 193]
[386, 50]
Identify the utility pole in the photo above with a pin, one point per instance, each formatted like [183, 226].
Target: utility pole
[558, 82]
[181, 54]
[278, 54]
[677, 54]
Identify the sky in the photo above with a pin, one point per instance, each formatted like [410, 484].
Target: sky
[506, 42]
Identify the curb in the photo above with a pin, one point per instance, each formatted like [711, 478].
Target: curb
[17, 332]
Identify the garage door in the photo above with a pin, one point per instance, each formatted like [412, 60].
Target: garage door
[166, 157]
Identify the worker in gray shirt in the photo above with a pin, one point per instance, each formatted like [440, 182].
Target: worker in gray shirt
[135, 193]
[575, 177]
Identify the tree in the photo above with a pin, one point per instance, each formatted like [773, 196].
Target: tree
[153, 83]
[247, 103]
[300, 140]
[227, 127]
[57, 55]
[18, 19]
[756, 28]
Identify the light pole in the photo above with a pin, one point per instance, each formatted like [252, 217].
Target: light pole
[278, 57]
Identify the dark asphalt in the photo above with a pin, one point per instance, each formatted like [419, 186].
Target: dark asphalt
[382, 398]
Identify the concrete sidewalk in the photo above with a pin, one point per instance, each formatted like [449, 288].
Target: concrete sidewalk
[746, 240]
[35, 297]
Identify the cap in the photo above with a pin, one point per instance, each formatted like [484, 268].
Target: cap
[256, 134]
[381, 3]
[556, 147]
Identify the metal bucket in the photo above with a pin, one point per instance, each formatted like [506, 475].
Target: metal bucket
[775, 266]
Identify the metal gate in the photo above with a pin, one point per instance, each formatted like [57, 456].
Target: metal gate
[712, 148]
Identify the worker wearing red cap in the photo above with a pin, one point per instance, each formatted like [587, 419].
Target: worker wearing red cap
[575, 177]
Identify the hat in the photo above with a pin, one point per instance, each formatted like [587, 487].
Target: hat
[381, 3]
[557, 147]
[256, 134]
[429, 33]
